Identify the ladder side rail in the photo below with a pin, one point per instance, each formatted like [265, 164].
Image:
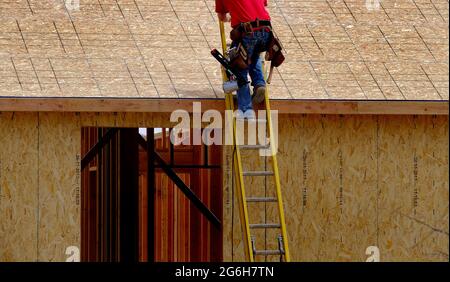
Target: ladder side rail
[243, 212]
[277, 176]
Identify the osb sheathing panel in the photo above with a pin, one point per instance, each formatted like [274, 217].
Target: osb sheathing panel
[18, 186]
[59, 184]
[40, 179]
[414, 188]
[159, 49]
[40, 184]
[350, 182]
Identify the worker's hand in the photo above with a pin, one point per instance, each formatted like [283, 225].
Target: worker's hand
[225, 17]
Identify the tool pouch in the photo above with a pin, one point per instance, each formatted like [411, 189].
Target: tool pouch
[240, 31]
[236, 35]
[238, 57]
[274, 51]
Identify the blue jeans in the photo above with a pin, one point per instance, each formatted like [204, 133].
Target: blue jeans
[254, 43]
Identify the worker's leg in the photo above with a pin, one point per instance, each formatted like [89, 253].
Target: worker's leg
[255, 68]
[261, 39]
[243, 95]
[253, 42]
[256, 72]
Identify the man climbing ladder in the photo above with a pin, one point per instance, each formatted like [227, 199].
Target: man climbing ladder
[249, 40]
[251, 35]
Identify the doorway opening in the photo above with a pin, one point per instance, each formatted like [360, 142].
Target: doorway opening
[146, 199]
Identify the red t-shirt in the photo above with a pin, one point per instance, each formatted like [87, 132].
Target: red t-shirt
[242, 11]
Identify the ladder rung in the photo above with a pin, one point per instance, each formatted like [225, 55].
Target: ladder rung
[258, 173]
[258, 120]
[265, 225]
[256, 199]
[268, 252]
[254, 147]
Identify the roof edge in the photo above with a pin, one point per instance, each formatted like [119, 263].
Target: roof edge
[296, 106]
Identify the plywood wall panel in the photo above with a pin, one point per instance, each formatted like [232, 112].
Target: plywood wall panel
[396, 186]
[433, 212]
[59, 184]
[306, 145]
[328, 189]
[300, 186]
[350, 182]
[18, 186]
[412, 218]
[357, 189]
[438, 207]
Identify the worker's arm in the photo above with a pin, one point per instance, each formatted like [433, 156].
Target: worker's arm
[225, 17]
[222, 11]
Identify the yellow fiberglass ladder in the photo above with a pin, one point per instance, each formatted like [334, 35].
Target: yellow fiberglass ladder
[243, 200]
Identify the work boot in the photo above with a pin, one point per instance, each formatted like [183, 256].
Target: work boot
[248, 115]
[259, 93]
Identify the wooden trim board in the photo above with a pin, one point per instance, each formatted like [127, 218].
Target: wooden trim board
[169, 105]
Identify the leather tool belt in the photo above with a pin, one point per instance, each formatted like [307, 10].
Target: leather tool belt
[249, 27]
[239, 57]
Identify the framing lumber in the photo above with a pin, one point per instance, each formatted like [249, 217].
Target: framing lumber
[295, 106]
[187, 191]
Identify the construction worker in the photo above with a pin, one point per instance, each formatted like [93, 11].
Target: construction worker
[250, 21]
